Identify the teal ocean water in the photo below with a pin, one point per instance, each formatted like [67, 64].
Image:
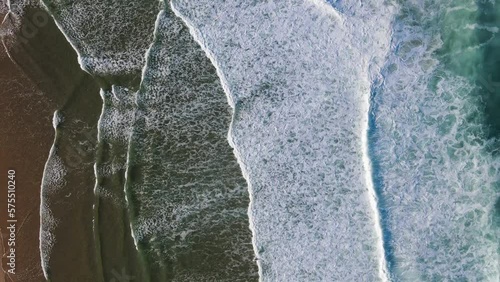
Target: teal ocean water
[435, 139]
[301, 140]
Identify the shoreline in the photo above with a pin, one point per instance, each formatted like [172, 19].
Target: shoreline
[40, 81]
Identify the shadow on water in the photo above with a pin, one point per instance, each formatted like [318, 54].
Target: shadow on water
[378, 183]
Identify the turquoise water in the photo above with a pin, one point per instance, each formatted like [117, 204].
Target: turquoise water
[434, 142]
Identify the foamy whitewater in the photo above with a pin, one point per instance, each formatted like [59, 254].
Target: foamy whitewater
[299, 79]
[301, 140]
[110, 37]
[438, 180]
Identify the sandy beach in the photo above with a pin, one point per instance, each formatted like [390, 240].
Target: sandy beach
[25, 137]
[42, 75]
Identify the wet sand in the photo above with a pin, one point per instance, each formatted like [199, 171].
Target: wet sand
[25, 137]
[45, 77]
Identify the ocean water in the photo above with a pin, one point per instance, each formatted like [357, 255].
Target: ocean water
[112, 229]
[53, 179]
[301, 140]
[299, 81]
[434, 146]
[177, 195]
[185, 187]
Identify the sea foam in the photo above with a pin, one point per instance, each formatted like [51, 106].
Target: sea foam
[297, 74]
[186, 190]
[437, 179]
[110, 37]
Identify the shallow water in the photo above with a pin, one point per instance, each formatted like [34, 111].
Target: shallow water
[187, 192]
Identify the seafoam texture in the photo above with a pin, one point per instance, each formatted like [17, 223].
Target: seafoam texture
[184, 184]
[438, 179]
[298, 74]
[110, 36]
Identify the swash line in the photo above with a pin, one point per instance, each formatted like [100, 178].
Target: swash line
[95, 206]
[43, 262]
